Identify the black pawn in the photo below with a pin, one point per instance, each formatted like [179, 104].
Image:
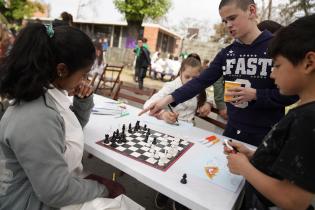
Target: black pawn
[106, 140]
[145, 127]
[146, 138]
[154, 141]
[123, 138]
[184, 179]
[123, 128]
[149, 131]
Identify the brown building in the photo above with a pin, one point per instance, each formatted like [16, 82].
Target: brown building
[159, 38]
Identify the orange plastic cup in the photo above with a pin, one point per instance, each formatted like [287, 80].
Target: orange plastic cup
[227, 85]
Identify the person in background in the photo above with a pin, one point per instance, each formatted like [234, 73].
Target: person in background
[218, 93]
[269, 25]
[143, 43]
[143, 62]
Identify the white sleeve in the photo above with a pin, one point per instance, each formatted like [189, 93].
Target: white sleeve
[167, 89]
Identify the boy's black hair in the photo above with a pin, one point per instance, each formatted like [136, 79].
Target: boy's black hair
[30, 67]
[269, 25]
[294, 40]
[242, 4]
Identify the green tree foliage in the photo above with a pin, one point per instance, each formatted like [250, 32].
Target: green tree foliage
[16, 10]
[136, 11]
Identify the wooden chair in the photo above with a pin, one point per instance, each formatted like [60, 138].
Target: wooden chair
[214, 121]
[132, 93]
[108, 79]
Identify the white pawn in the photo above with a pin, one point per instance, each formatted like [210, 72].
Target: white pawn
[156, 154]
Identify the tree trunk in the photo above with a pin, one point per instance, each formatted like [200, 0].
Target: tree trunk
[134, 32]
[269, 9]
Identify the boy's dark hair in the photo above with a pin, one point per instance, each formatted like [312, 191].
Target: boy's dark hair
[294, 40]
[242, 4]
[269, 25]
[30, 67]
[65, 16]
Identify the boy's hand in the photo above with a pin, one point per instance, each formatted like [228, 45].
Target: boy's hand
[239, 147]
[241, 94]
[238, 163]
[223, 113]
[157, 106]
[204, 110]
[169, 117]
[83, 90]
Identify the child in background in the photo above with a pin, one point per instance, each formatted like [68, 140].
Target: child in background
[41, 137]
[190, 68]
[98, 66]
[281, 171]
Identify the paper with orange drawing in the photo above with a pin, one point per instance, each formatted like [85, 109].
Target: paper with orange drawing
[212, 167]
[211, 171]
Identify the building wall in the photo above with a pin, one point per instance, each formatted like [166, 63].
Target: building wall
[206, 50]
[151, 33]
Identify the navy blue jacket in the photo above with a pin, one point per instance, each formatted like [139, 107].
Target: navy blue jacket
[251, 66]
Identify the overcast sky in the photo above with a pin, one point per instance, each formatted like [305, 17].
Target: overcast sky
[105, 10]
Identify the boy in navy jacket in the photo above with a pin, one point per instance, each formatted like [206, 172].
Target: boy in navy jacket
[257, 105]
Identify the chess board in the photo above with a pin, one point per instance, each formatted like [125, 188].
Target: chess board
[137, 149]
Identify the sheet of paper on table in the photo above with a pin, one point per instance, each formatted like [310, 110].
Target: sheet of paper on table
[212, 166]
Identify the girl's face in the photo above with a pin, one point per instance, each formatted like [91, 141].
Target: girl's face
[98, 52]
[70, 82]
[189, 73]
[289, 78]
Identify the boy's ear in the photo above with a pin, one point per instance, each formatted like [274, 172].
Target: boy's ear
[309, 62]
[252, 11]
[62, 70]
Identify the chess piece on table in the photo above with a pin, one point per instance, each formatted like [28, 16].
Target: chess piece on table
[123, 128]
[154, 141]
[184, 179]
[145, 127]
[106, 140]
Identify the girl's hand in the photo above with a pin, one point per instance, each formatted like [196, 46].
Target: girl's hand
[83, 90]
[241, 148]
[238, 163]
[241, 94]
[204, 110]
[169, 117]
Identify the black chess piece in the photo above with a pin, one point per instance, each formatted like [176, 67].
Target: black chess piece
[145, 127]
[146, 138]
[123, 138]
[149, 131]
[117, 132]
[113, 142]
[154, 141]
[123, 128]
[184, 179]
[106, 140]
